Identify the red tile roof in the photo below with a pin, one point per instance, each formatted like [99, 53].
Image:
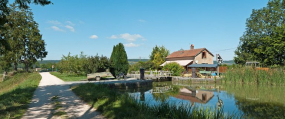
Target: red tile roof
[187, 53]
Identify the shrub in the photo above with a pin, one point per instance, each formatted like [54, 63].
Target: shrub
[174, 67]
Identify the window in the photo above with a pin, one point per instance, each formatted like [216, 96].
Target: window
[203, 55]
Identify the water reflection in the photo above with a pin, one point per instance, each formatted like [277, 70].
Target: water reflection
[250, 100]
[259, 101]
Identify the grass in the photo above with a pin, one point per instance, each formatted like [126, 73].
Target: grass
[115, 105]
[16, 93]
[248, 75]
[68, 77]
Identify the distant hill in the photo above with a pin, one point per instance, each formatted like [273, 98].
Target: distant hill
[228, 62]
[131, 61]
[48, 61]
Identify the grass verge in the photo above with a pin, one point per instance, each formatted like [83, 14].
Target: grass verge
[16, 93]
[68, 77]
[117, 105]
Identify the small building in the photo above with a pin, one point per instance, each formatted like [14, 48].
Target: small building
[195, 96]
[191, 56]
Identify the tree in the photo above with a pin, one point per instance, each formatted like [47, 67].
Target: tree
[4, 11]
[264, 38]
[4, 63]
[24, 38]
[158, 56]
[119, 60]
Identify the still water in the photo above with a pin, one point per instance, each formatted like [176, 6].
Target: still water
[251, 100]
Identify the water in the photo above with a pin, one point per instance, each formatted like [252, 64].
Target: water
[251, 100]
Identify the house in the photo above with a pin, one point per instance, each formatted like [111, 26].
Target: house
[195, 96]
[191, 56]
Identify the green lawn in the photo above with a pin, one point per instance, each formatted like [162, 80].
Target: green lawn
[16, 93]
[68, 77]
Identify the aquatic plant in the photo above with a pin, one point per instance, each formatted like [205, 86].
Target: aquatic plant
[249, 75]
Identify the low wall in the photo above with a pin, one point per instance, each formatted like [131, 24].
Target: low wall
[160, 79]
[131, 84]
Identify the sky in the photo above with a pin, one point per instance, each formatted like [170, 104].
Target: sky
[95, 26]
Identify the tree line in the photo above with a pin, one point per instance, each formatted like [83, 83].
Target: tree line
[82, 64]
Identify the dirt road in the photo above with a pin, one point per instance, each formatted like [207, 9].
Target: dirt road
[43, 106]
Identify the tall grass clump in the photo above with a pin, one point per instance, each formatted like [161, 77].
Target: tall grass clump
[250, 75]
[16, 93]
[117, 105]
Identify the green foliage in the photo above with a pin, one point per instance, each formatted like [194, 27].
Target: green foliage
[16, 93]
[158, 56]
[249, 75]
[4, 11]
[82, 65]
[24, 38]
[264, 38]
[116, 105]
[136, 67]
[4, 63]
[119, 60]
[174, 67]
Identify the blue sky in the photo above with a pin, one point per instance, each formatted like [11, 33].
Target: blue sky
[95, 26]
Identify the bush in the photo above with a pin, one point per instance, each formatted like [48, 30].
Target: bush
[174, 67]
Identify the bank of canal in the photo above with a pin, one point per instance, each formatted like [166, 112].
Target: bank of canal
[257, 101]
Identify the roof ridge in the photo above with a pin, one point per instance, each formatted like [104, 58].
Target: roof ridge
[191, 49]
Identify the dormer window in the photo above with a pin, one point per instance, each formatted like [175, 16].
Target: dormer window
[204, 55]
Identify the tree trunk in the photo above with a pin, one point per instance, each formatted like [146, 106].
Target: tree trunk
[15, 66]
[27, 66]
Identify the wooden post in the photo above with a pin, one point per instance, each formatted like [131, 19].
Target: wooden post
[217, 60]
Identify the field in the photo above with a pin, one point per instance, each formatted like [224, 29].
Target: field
[16, 93]
[68, 77]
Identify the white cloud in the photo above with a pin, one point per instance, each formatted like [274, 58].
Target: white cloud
[113, 37]
[70, 23]
[54, 22]
[94, 37]
[57, 29]
[131, 45]
[70, 28]
[127, 36]
[141, 20]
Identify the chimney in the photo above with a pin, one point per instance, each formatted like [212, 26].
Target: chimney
[192, 47]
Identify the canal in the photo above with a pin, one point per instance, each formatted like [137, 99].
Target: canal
[256, 101]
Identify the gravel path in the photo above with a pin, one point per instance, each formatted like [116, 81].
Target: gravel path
[42, 106]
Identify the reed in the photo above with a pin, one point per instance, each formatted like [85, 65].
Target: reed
[249, 75]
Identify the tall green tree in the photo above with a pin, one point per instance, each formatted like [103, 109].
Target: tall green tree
[24, 38]
[158, 55]
[119, 60]
[264, 38]
[4, 11]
